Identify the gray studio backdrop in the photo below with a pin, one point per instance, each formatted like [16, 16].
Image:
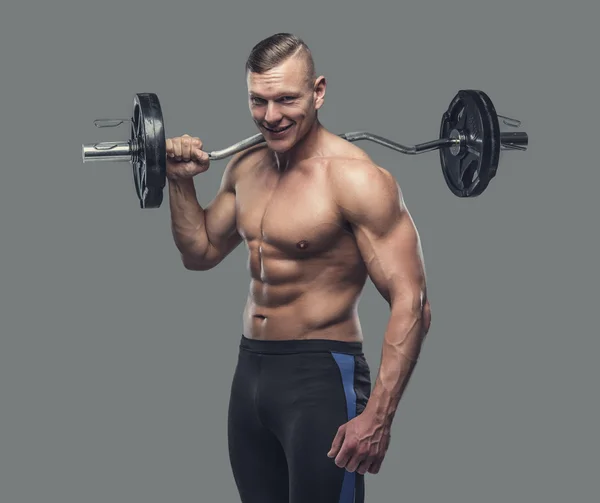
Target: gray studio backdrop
[116, 362]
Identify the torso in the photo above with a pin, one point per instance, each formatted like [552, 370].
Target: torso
[306, 270]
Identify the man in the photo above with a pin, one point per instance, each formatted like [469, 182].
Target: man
[318, 217]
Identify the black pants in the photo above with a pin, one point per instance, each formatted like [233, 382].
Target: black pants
[288, 399]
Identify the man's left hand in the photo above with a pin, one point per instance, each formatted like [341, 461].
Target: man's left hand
[360, 444]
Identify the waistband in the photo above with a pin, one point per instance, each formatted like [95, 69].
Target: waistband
[300, 346]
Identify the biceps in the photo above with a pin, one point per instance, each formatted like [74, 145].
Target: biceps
[395, 262]
[220, 222]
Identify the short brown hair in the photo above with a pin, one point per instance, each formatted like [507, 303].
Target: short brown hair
[274, 50]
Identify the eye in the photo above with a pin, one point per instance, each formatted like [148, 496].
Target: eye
[257, 101]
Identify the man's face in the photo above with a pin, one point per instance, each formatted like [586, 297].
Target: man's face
[283, 103]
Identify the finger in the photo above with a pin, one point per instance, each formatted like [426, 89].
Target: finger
[365, 466]
[169, 147]
[376, 466]
[355, 461]
[177, 147]
[337, 442]
[199, 155]
[186, 148]
[197, 151]
[194, 143]
[346, 452]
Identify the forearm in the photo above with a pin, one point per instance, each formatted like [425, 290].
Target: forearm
[187, 219]
[402, 342]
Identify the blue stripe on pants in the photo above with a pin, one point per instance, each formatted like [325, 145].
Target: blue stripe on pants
[346, 365]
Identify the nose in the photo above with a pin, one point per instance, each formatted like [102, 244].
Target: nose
[273, 115]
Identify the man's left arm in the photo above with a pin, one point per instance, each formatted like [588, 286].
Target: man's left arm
[371, 201]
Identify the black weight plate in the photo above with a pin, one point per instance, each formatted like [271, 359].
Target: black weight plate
[468, 173]
[149, 158]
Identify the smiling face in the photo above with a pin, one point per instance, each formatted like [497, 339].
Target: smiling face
[283, 103]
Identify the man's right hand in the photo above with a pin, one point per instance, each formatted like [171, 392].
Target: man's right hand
[185, 157]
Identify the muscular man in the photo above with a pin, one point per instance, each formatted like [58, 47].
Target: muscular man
[318, 217]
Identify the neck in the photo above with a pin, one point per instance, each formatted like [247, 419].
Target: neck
[309, 146]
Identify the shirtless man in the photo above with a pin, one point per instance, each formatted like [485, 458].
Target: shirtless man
[318, 217]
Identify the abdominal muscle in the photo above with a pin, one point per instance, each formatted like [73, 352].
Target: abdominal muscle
[303, 297]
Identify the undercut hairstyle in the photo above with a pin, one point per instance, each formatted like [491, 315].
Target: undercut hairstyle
[276, 49]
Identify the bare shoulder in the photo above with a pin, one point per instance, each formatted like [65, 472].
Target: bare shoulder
[347, 150]
[356, 180]
[366, 194]
[351, 168]
[243, 163]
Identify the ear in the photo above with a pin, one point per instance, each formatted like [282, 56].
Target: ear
[319, 91]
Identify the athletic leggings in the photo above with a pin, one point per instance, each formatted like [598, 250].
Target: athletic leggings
[288, 398]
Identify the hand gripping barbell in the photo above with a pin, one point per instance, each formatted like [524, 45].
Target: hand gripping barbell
[469, 142]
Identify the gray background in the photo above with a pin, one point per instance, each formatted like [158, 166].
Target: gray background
[115, 362]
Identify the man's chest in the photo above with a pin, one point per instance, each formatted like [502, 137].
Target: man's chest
[296, 211]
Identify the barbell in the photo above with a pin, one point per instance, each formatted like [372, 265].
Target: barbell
[469, 144]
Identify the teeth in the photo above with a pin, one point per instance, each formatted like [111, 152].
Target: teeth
[279, 130]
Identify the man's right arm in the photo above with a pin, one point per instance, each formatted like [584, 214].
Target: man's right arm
[204, 237]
